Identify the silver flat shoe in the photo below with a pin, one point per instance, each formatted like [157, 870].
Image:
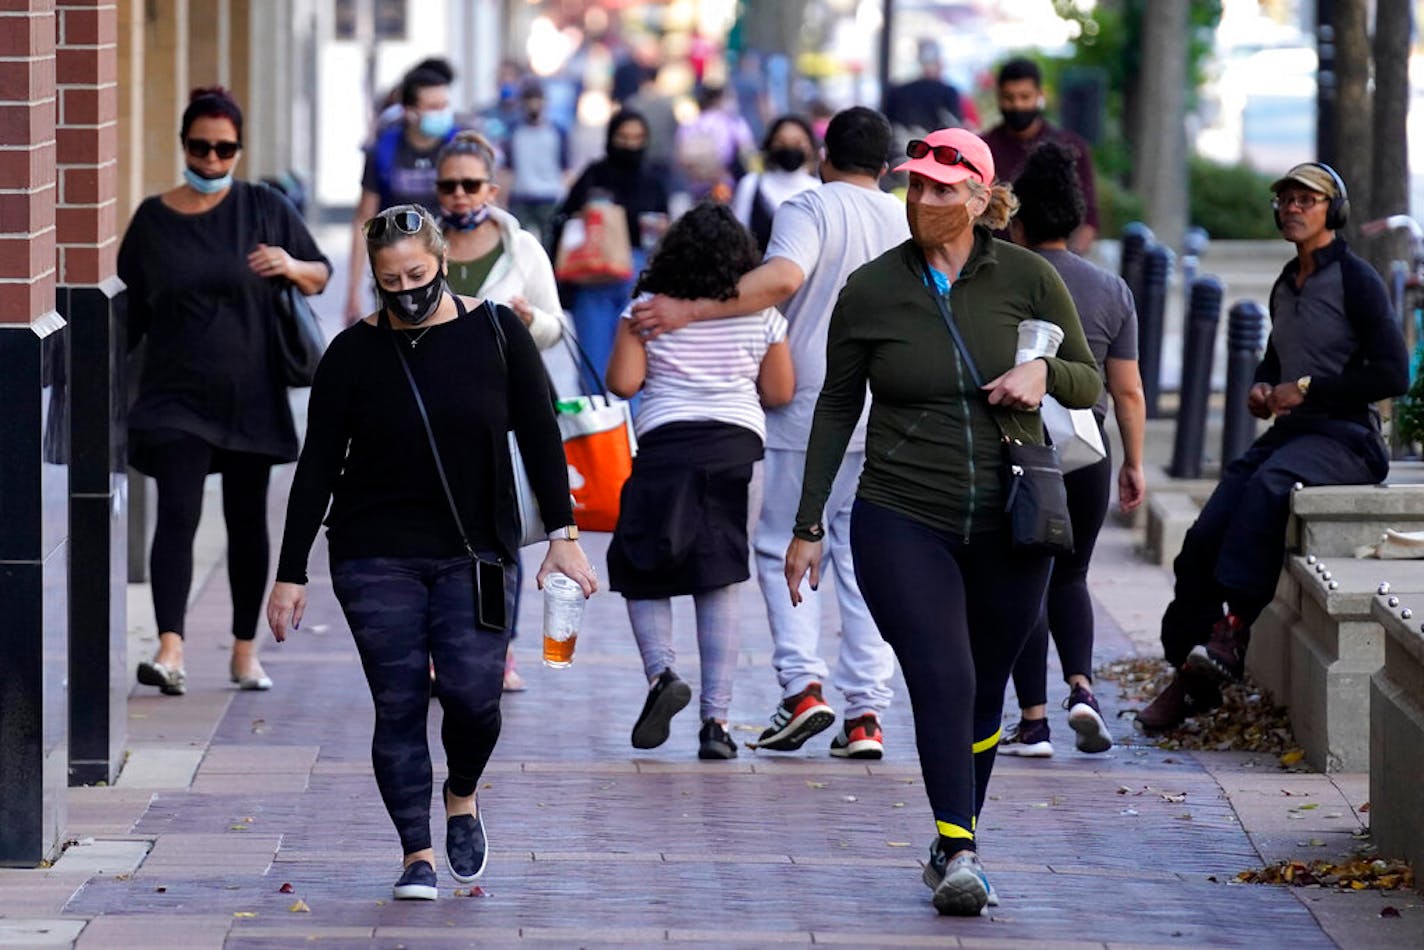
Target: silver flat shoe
[259, 683]
[171, 681]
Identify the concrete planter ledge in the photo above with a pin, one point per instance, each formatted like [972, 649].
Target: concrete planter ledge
[1333, 521]
[1318, 644]
[1397, 728]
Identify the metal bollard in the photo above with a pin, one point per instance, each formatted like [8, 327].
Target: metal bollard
[1135, 238]
[1245, 340]
[1151, 306]
[1198, 344]
[1194, 244]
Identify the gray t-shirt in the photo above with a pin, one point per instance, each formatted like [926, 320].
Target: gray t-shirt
[827, 232]
[1104, 306]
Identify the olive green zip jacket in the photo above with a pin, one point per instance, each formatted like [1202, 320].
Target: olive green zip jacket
[933, 451]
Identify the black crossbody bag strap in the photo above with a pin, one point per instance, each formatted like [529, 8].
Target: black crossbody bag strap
[959, 344]
[430, 434]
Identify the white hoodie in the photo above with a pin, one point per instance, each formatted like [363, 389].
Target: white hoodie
[523, 270]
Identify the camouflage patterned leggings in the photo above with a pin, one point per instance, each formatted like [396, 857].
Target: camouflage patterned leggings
[405, 612]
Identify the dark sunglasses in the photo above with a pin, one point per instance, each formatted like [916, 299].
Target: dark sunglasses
[448, 186]
[199, 148]
[406, 222]
[944, 154]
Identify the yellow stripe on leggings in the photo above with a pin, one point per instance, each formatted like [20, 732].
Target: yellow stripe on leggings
[948, 830]
[984, 745]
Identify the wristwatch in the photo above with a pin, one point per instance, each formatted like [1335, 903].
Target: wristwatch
[1303, 384]
[812, 533]
[566, 533]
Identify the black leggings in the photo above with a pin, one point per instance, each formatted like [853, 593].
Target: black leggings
[1068, 611]
[180, 467]
[956, 613]
[405, 612]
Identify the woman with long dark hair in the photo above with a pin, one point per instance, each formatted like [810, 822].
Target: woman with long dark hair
[200, 261]
[682, 524]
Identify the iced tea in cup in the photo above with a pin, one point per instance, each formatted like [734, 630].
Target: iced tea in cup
[563, 613]
[1037, 338]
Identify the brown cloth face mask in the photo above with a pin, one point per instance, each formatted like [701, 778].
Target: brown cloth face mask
[936, 225]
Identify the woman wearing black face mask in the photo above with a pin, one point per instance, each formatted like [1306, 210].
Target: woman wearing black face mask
[621, 178]
[400, 557]
[789, 151]
[200, 261]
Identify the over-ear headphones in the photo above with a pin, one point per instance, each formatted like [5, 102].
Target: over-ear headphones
[1337, 213]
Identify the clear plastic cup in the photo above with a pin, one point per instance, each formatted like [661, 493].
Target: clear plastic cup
[1037, 338]
[563, 614]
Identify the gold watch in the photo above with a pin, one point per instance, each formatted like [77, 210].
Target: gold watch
[566, 533]
[1303, 384]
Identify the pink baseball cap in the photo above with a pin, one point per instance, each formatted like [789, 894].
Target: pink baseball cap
[950, 156]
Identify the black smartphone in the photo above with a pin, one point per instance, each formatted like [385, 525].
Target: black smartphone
[490, 604]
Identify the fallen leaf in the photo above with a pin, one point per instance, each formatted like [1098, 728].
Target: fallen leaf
[815, 784]
[897, 844]
[161, 889]
[898, 805]
[1389, 911]
[1363, 808]
[848, 798]
[244, 913]
[237, 828]
[1129, 812]
[1308, 806]
[1123, 789]
[1175, 797]
[475, 891]
[286, 889]
[1292, 757]
[1184, 816]
[299, 906]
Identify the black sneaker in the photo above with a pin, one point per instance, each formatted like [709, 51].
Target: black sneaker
[797, 719]
[1028, 739]
[713, 741]
[466, 848]
[666, 698]
[1223, 657]
[1086, 719]
[417, 883]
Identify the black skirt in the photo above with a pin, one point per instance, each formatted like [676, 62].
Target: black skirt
[682, 521]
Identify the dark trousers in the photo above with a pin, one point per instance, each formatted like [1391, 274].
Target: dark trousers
[1232, 554]
[405, 612]
[957, 614]
[1068, 609]
[179, 467]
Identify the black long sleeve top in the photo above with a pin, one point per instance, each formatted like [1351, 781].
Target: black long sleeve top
[367, 455]
[1337, 328]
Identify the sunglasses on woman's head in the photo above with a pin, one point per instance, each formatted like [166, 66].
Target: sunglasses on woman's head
[406, 222]
[448, 186]
[199, 148]
[944, 154]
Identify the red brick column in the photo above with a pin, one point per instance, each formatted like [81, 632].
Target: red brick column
[88, 66]
[27, 159]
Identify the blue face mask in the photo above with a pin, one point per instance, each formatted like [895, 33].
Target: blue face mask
[206, 186]
[437, 124]
[467, 221]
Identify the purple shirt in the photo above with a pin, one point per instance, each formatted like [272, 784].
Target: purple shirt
[1011, 152]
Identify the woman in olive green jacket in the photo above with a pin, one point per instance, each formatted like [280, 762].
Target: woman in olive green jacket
[929, 533]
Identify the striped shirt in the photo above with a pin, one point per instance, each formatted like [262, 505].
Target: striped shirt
[707, 372]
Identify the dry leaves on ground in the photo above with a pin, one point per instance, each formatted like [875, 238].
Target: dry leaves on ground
[1357, 875]
[1247, 720]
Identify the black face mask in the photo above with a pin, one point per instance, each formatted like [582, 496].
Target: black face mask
[787, 159]
[1020, 119]
[630, 159]
[414, 306]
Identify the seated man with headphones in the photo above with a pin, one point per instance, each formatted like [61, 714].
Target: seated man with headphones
[1334, 350]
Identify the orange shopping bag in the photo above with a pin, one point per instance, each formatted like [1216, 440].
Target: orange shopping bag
[599, 446]
[594, 247]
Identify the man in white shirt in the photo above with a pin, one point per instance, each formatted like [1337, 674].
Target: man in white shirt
[818, 238]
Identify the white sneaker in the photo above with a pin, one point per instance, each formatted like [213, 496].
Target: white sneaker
[1027, 739]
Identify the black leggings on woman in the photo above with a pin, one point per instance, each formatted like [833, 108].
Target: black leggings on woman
[180, 466]
[404, 613]
[956, 613]
[1068, 612]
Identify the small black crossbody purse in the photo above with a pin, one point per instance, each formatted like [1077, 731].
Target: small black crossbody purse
[1034, 496]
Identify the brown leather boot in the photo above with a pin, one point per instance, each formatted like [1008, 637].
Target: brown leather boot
[1185, 696]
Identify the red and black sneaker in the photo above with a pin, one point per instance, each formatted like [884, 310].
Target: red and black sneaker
[797, 719]
[859, 738]
[1223, 657]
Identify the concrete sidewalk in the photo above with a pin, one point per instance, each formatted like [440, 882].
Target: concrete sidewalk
[228, 797]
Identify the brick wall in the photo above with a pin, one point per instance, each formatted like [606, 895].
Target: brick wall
[87, 137]
[27, 159]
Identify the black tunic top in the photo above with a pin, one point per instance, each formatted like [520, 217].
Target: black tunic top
[367, 453]
[208, 370]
